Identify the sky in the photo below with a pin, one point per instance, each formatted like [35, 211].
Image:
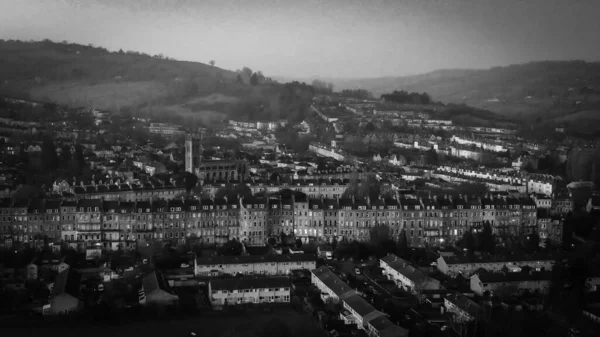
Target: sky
[321, 38]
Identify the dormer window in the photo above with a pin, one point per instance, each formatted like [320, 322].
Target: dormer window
[139, 210]
[147, 210]
[178, 209]
[205, 207]
[122, 211]
[172, 209]
[417, 207]
[193, 208]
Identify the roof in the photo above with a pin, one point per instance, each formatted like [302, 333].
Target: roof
[405, 268]
[525, 275]
[333, 282]
[249, 283]
[465, 304]
[214, 260]
[153, 282]
[451, 260]
[67, 282]
[385, 327]
[361, 306]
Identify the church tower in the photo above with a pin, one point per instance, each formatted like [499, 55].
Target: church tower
[193, 151]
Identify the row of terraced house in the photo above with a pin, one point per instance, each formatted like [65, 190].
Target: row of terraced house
[112, 223]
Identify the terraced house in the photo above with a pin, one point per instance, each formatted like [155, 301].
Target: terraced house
[110, 223]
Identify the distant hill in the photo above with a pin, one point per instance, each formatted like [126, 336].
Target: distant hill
[551, 88]
[87, 76]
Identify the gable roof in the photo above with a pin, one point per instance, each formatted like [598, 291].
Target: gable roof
[67, 282]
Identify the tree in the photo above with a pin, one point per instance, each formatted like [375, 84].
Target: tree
[246, 72]
[231, 248]
[254, 79]
[533, 241]
[190, 181]
[298, 243]
[402, 248]
[467, 241]
[49, 155]
[212, 63]
[486, 239]
[334, 243]
[78, 161]
[272, 241]
[233, 191]
[380, 240]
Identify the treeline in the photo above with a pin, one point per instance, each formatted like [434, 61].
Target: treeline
[290, 101]
[583, 164]
[358, 93]
[404, 97]
[322, 87]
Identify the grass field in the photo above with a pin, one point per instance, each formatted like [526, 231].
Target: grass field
[246, 324]
[105, 95]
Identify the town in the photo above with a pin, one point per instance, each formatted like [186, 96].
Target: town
[376, 217]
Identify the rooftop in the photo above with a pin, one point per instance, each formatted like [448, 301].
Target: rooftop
[250, 283]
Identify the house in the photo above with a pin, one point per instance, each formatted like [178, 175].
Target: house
[253, 264]
[155, 291]
[155, 168]
[330, 285]
[593, 204]
[65, 296]
[462, 309]
[325, 251]
[358, 311]
[397, 160]
[407, 276]
[542, 201]
[249, 290]
[508, 284]
[464, 265]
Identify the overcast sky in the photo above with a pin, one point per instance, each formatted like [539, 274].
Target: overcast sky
[328, 38]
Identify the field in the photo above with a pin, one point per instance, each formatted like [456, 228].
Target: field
[247, 324]
[106, 95]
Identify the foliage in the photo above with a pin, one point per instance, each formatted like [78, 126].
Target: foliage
[276, 328]
[368, 187]
[322, 87]
[357, 93]
[231, 248]
[292, 140]
[381, 241]
[404, 97]
[232, 191]
[467, 241]
[485, 239]
[190, 181]
[471, 189]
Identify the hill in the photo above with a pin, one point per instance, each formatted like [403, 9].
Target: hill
[161, 88]
[532, 89]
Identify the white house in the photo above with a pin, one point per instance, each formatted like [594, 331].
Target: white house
[510, 283]
[249, 290]
[330, 285]
[253, 264]
[406, 276]
[455, 265]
